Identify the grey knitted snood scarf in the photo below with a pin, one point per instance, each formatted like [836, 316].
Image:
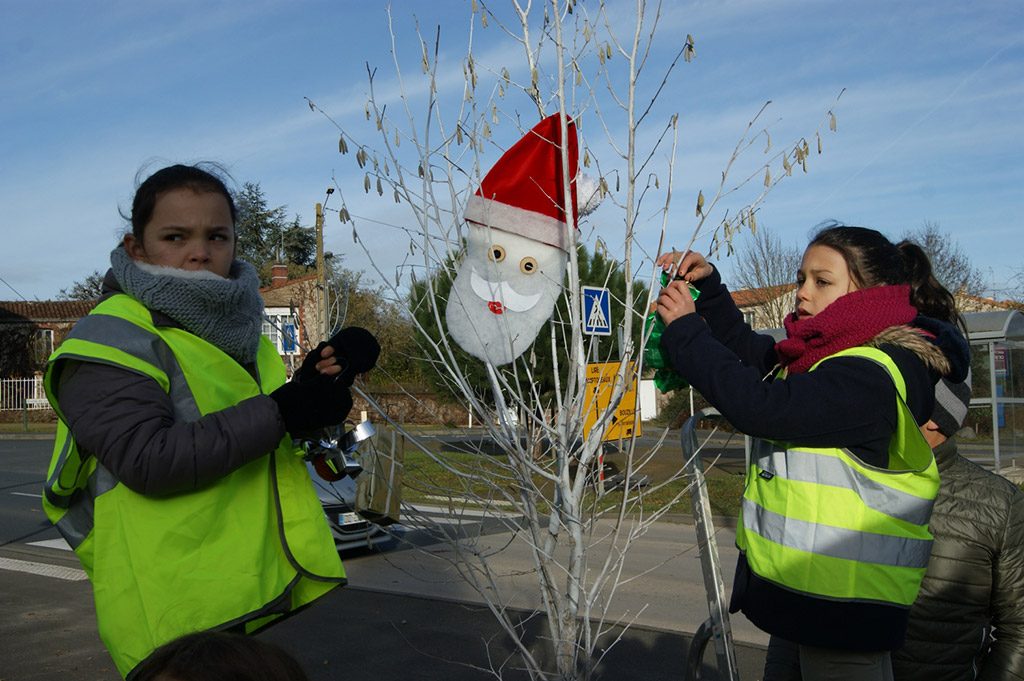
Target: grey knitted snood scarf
[225, 312]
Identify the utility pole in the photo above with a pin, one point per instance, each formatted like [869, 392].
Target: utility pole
[321, 281]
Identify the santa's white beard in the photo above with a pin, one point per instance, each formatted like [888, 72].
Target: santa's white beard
[495, 308]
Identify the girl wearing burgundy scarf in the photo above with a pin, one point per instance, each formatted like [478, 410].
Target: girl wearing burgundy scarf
[854, 288]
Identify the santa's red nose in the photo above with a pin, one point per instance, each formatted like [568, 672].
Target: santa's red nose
[495, 307]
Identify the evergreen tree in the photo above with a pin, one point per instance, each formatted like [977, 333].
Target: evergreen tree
[265, 237]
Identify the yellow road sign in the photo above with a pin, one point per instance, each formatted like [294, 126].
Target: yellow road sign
[600, 384]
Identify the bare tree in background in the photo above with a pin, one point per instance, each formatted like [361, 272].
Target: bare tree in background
[950, 264]
[767, 269]
[593, 63]
[88, 288]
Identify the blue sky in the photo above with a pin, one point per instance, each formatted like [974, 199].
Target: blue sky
[930, 127]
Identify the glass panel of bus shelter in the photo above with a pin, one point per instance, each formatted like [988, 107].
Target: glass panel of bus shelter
[981, 385]
[1011, 434]
[1010, 384]
[1014, 368]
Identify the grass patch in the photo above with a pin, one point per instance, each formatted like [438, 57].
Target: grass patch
[33, 427]
[487, 478]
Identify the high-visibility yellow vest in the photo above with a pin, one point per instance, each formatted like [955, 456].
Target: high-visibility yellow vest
[241, 551]
[821, 522]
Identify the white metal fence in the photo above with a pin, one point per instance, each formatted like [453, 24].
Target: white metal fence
[17, 394]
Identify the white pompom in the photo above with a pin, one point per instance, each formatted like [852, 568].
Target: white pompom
[588, 194]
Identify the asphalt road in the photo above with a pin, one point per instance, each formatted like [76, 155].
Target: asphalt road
[405, 614]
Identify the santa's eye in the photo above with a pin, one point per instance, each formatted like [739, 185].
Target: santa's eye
[527, 265]
[496, 254]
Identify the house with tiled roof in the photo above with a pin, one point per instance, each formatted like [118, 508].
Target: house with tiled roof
[31, 329]
[290, 313]
[765, 308]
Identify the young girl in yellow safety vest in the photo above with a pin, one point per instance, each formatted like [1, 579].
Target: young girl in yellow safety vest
[174, 475]
[833, 532]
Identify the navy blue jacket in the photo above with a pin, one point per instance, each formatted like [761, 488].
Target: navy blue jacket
[846, 402]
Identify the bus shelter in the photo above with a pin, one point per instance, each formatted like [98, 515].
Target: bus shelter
[997, 384]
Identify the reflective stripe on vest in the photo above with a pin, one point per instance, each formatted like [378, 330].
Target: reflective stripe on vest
[808, 466]
[115, 332]
[821, 522]
[836, 542]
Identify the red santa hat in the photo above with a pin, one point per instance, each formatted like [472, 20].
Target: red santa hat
[523, 193]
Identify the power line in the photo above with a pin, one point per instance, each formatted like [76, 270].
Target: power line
[16, 291]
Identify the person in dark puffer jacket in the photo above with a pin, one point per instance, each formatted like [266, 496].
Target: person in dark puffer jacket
[973, 591]
[968, 620]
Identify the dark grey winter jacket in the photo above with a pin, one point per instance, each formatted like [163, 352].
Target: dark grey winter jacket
[975, 579]
[127, 422]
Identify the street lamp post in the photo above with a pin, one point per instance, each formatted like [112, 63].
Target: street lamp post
[321, 281]
[321, 278]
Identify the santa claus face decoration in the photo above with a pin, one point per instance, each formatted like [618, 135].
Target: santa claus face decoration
[505, 289]
[507, 283]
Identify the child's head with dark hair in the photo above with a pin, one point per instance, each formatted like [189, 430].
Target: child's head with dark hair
[183, 217]
[873, 260]
[197, 178]
[219, 656]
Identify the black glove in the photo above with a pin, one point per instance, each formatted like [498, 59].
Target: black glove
[356, 350]
[311, 404]
[308, 370]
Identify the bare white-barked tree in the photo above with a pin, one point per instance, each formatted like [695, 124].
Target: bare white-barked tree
[437, 131]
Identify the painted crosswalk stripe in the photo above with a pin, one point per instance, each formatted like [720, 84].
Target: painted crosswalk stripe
[56, 571]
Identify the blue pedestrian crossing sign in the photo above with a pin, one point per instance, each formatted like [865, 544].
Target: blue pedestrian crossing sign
[597, 311]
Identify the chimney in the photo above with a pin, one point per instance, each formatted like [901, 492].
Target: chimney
[278, 275]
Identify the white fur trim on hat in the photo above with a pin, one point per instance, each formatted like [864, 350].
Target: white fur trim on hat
[528, 223]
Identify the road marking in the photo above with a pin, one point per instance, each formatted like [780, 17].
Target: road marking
[51, 544]
[56, 571]
[461, 511]
[26, 494]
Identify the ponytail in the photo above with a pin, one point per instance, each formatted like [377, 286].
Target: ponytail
[930, 297]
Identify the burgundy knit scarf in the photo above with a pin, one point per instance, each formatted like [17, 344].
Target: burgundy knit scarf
[850, 320]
